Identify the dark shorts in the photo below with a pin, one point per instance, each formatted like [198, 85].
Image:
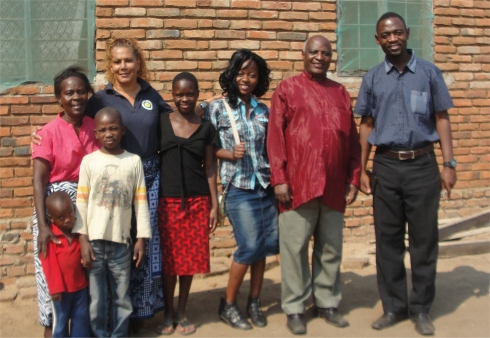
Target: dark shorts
[253, 215]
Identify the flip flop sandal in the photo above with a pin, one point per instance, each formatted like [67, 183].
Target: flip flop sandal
[184, 323]
[163, 328]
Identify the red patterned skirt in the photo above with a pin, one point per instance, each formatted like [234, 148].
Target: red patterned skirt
[184, 235]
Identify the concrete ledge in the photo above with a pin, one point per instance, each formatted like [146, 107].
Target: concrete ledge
[475, 221]
[454, 249]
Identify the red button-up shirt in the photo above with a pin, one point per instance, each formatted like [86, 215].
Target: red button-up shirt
[312, 141]
[64, 149]
[62, 265]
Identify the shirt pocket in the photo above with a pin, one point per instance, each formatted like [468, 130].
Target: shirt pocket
[419, 102]
[225, 130]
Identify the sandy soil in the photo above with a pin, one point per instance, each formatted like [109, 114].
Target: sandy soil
[461, 307]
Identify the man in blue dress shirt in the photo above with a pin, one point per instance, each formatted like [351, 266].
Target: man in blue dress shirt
[403, 102]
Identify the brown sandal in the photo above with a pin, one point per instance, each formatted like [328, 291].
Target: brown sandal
[184, 323]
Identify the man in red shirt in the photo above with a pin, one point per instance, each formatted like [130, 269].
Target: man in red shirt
[314, 154]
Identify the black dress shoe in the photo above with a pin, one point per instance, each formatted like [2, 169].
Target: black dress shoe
[296, 323]
[231, 315]
[388, 319]
[423, 323]
[331, 316]
[255, 312]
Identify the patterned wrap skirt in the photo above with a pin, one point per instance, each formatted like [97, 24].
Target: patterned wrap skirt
[43, 297]
[146, 281]
[184, 235]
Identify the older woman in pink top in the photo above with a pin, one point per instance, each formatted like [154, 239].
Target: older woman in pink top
[56, 164]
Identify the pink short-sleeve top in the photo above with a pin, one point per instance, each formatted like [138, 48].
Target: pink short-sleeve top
[64, 149]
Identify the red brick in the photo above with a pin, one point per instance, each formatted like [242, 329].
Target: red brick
[261, 35]
[16, 161]
[146, 22]
[14, 248]
[180, 23]
[6, 213]
[17, 182]
[201, 13]
[6, 260]
[225, 13]
[229, 34]
[245, 3]
[30, 269]
[6, 173]
[112, 23]
[277, 25]
[446, 11]
[205, 23]
[13, 121]
[5, 131]
[180, 44]
[118, 3]
[249, 44]
[263, 14]
[4, 110]
[323, 16]
[22, 172]
[24, 90]
[482, 4]
[130, 11]
[43, 99]
[201, 55]
[23, 212]
[181, 65]
[480, 13]
[16, 271]
[14, 100]
[275, 45]
[469, 50]
[293, 16]
[6, 193]
[221, 23]
[180, 3]
[445, 49]
[268, 54]
[21, 192]
[164, 12]
[441, 20]
[246, 24]
[103, 12]
[304, 26]
[306, 6]
[25, 109]
[282, 5]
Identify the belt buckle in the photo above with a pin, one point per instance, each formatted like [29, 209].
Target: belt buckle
[406, 152]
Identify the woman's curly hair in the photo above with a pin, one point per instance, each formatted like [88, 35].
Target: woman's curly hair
[227, 79]
[133, 46]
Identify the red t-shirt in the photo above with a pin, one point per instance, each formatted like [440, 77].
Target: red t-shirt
[62, 265]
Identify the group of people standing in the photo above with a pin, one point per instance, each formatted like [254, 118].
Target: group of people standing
[144, 185]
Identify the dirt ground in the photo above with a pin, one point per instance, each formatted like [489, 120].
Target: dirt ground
[461, 307]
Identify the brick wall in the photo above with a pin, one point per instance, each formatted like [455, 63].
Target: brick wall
[200, 36]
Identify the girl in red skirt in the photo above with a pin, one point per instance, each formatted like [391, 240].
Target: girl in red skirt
[188, 207]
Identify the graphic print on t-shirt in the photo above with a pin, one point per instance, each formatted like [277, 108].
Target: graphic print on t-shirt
[112, 189]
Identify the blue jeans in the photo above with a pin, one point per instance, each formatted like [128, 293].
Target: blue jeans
[253, 215]
[112, 261]
[74, 306]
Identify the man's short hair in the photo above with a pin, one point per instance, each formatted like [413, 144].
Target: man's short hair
[388, 15]
[111, 112]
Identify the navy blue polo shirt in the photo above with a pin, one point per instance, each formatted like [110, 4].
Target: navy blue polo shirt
[403, 105]
[141, 120]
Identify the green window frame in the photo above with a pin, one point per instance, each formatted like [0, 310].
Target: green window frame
[356, 45]
[39, 38]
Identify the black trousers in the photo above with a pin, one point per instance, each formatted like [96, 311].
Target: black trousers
[406, 192]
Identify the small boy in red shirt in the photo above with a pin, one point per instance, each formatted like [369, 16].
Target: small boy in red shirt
[64, 273]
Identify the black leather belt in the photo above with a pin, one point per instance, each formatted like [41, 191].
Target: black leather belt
[403, 155]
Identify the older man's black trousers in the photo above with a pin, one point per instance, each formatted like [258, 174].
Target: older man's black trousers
[406, 192]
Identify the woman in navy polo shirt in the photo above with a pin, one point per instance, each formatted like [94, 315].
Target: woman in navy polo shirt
[140, 106]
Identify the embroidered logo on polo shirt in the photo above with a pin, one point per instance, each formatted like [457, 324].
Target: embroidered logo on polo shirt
[147, 105]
